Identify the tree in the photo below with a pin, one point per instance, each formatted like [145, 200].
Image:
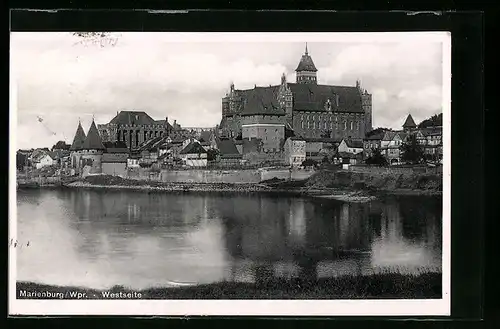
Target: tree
[435, 120]
[376, 131]
[377, 158]
[21, 161]
[309, 163]
[411, 151]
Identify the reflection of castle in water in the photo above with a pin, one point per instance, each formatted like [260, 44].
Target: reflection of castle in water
[266, 236]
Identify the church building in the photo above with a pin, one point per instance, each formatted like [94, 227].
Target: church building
[310, 109]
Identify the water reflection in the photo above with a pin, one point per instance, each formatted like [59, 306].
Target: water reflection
[136, 239]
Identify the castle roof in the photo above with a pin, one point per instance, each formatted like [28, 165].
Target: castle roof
[93, 140]
[133, 118]
[306, 63]
[313, 97]
[261, 100]
[409, 123]
[306, 97]
[116, 147]
[79, 139]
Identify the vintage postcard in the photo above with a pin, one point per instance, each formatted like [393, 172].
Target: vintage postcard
[276, 174]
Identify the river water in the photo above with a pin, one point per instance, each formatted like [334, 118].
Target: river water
[100, 239]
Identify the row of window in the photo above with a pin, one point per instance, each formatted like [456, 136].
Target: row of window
[350, 125]
[320, 118]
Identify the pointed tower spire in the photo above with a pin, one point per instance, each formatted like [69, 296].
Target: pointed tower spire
[79, 138]
[306, 70]
[307, 53]
[93, 140]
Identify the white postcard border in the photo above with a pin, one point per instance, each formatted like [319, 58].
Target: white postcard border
[434, 307]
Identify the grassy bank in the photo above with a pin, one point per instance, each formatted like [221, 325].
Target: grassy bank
[390, 285]
[418, 184]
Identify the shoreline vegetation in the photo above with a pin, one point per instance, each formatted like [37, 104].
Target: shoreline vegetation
[377, 286]
[343, 186]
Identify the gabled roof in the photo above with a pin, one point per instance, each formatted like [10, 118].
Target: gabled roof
[133, 118]
[93, 140]
[193, 148]
[354, 143]
[227, 147]
[389, 135]
[306, 63]
[261, 100]
[79, 139]
[205, 136]
[409, 123]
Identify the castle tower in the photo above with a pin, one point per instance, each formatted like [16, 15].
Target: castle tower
[366, 103]
[285, 98]
[92, 150]
[77, 146]
[409, 124]
[306, 70]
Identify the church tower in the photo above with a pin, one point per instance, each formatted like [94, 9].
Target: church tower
[306, 70]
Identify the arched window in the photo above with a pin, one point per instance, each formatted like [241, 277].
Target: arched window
[351, 125]
[345, 125]
[302, 125]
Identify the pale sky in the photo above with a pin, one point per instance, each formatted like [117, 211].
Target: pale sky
[61, 80]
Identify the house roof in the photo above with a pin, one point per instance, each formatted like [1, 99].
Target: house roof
[93, 140]
[226, 146]
[354, 143]
[116, 147]
[79, 138]
[409, 123]
[38, 154]
[61, 145]
[320, 139]
[192, 148]
[432, 131]
[306, 63]
[114, 158]
[205, 136]
[389, 135]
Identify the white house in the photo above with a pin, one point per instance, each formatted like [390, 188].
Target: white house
[295, 151]
[350, 146]
[42, 158]
[194, 155]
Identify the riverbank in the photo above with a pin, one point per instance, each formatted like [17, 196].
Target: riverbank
[274, 186]
[338, 185]
[388, 285]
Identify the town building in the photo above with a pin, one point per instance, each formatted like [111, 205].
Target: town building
[372, 142]
[390, 146]
[136, 127]
[310, 109]
[350, 146]
[295, 151]
[228, 153]
[42, 158]
[194, 155]
[114, 159]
